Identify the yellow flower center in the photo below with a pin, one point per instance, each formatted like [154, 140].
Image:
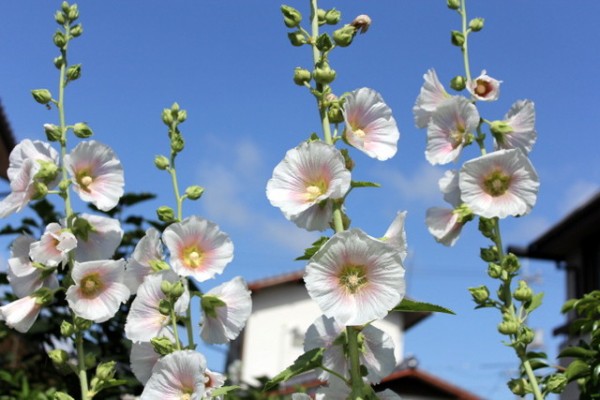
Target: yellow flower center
[193, 256]
[314, 190]
[91, 285]
[186, 396]
[457, 135]
[496, 183]
[84, 179]
[359, 133]
[353, 278]
[483, 88]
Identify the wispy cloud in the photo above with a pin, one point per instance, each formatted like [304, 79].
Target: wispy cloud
[577, 194]
[421, 184]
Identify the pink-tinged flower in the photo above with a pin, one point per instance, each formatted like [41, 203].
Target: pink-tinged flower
[448, 185]
[177, 376]
[226, 310]
[54, 246]
[23, 276]
[499, 184]
[198, 248]
[147, 251]
[370, 126]
[26, 161]
[377, 351]
[21, 313]
[144, 320]
[484, 87]
[302, 183]
[97, 237]
[395, 236]
[431, 96]
[98, 290]
[449, 129]
[355, 278]
[143, 358]
[444, 225]
[517, 131]
[212, 380]
[97, 174]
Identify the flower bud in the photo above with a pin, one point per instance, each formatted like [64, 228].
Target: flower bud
[66, 329]
[41, 190]
[65, 7]
[73, 12]
[177, 143]
[335, 114]
[60, 18]
[76, 31]
[53, 132]
[556, 383]
[489, 254]
[301, 76]
[58, 62]
[159, 265]
[523, 293]
[165, 287]
[161, 162]
[486, 227]
[59, 357]
[82, 130]
[194, 192]
[42, 96]
[162, 345]
[291, 16]
[89, 361]
[453, 4]
[332, 16]
[508, 327]
[457, 38]
[167, 117]
[177, 290]
[480, 294]
[526, 335]
[494, 271]
[323, 74]
[511, 263]
[458, 83]
[59, 39]
[296, 38]
[343, 37]
[324, 43]
[476, 24]
[47, 173]
[82, 324]
[106, 370]
[520, 386]
[321, 16]
[181, 116]
[74, 72]
[164, 307]
[165, 214]
[361, 23]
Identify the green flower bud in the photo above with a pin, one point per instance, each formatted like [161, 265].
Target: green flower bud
[511, 263]
[194, 192]
[159, 265]
[47, 173]
[165, 214]
[457, 38]
[453, 4]
[59, 39]
[489, 254]
[177, 143]
[74, 72]
[297, 38]
[332, 16]
[89, 361]
[65, 7]
[323, 74]
[476, 24]
[335, 114]
[508, 327]
[82, 130]
[165, 287]
[167, 117]
[161, 162]
[486, 227]
[62, 396]
[42, 96]
[523, 293]
[82, 324]
[526, 335]
[291, 16]
[556, 383]
[321, 16]
[58, 62]
[324, 42]
[494, 271]
[53, 132]
[162, 345]
[41, 190]
[66, 329]
[76, 30]
[458, 83]
[165, 307]
[520, 386]
[301, 76]
[177, 290]
[60, 17]
[343, 37]
[181, 116]
[480, 294]
[59, 357]
[106, 370]
[73, 12]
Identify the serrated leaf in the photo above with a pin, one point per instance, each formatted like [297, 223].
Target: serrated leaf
[359, 184]
[316, 246]
[306, 362]
[577, 369]
[578, 352]
[407, 305]
[568, 306]
[538, 363]
[535, 302]
[223, 390]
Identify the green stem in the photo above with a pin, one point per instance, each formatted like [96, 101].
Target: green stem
[178, 198]
[532, 379]
[332, 372]
[190, 329]
[465, 32]
[355, 375]
[81, 367]
[175, 329]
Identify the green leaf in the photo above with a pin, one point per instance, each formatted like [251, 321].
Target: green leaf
[568, 306]
[538, 363]
[535, 302]
[578, 352]
[577, 369]
[407, 305]
[309, 252]
[359, 184]
[306, 362]
[223, 390]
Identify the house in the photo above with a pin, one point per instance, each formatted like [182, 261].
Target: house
[274, 333]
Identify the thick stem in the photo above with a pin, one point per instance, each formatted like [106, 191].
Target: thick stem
[353, 355]
[83, 382]
[532, 379]
[465, 46]
[175, 329]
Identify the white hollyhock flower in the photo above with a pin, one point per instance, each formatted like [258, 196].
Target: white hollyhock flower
[499, 184]
[198, 248]
[448, 185]
[395, 236]
[432, 94]
[212, 381]
[225, 317]
[484, 87]
[26, 160]
[177, 376]
[97, 174]
[444, 225]
[517, 131]
[377, 351]
[370, 126]
[144, 320]
[98, 237]
[54, 246]
[21, 314]
[355, 278]
[309, 175]
[24, 278]
[147, 250]
[448, 130]
[98, 290]
[142, 360]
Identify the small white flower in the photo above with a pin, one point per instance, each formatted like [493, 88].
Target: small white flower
[448, 130]
[395, 236]
[484, 87]
[24, 278]
[370, 126]
[355, 278]
[432, 94]
[212, 381]
[147, 250]
[54, 246]
[98, 290]
[444, 225]
[142, 360]
[21, 314]
[223, 322]
[177, 376]
[448, 185]
[98, 238]
[517, 131]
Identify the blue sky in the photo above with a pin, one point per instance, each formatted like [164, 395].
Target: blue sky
[230, 65]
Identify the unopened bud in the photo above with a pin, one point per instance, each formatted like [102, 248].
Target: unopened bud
[165, 214]
[511, 263]
[106, 370]
[42, 96]
[59, 39]
[494, 271]
[323, 74]
[458, 83]
[58, 62]
[291, 16]
[177, 143]
[90, 360]
[297, 38]
[301, 76]
[343, 37]
[161, 162]
[526, 335]
[47, 173]
[324, 43]
[177, 290]
[73, 12]
[476, 24]
[76, 31]
[167, 117]
[321, 16]
[453, 4]
[520, 386]
[523, 293]
[486, 227]
[59, 357]
[361, 23]
[508, 327]
[74, 72]
[332, 16]
[165, 287]
[348, 161]
[162, 345]
[82, 324]
[457, 38]
[164, 307]
[181, 116]
[53, 132]
[489, 254]
[66, 329]
[158, 265]
[60, 17]
[335, 114]
[82, 130]
[480, 294]
[194, 192]
[41, 190]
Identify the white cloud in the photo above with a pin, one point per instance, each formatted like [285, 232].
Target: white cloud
[421, 185]
[577, 194]
[525, 230]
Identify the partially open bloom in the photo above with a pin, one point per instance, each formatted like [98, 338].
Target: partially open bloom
[448, 185]
[307, 177]
[98, 290]
[54, 246]
[24, 278]
[377, 350]
[226, 316]
[449, 129]
[484, 87]
[97, 237]
[499, 184]
[143, 358]
[212, 381]
[370, 126]
[432, 94]
[21, 313]
[198, 248]
[147, 250]
[517, 131]
[97, 174]
[395, 236]
[355, 278]
[177, 376]
[444, 224]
